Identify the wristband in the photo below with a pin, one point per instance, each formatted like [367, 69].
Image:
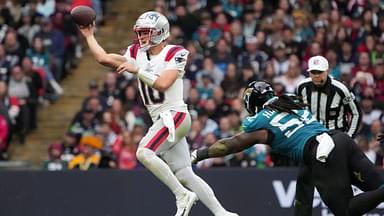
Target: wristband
[147, 77]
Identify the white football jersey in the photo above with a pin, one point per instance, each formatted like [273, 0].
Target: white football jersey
[171, 57]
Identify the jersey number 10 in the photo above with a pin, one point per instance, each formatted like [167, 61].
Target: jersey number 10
[149, 95]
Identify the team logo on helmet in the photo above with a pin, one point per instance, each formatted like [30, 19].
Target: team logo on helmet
[256, 95]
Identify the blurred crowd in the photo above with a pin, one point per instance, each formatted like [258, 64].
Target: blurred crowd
[39, 45]
[232, 42]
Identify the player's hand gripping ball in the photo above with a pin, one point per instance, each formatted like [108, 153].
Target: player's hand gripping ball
[83, 15]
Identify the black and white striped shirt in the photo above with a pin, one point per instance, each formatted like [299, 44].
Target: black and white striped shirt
[334, 105]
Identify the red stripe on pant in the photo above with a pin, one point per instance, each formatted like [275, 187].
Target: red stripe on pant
[163, 133]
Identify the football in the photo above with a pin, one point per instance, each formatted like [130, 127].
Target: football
[83, 15]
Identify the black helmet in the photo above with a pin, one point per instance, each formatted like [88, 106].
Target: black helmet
[256, 94]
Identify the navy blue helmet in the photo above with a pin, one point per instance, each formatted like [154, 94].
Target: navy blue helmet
[256, 94]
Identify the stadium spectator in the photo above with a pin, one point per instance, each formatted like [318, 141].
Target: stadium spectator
[15, 47]
[88, 157]
[18, 87]
[54, 43]
[5, 65]
[210, 69]
[55, 163]
[5, 135]
[85, 124]
[9, 105]
[230, 83]
[125, 152]
[291, 78]
[70, 146]
[36, 90]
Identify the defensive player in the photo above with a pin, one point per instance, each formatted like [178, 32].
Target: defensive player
[335, 161]
[159, 68]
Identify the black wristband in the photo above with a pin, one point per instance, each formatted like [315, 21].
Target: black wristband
[202, 154]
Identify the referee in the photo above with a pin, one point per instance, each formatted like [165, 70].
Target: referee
[335, 107]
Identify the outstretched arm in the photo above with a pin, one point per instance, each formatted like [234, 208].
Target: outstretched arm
[101, 56]
[231, 145]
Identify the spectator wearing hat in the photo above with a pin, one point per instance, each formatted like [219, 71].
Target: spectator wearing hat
[84, 123]
[55, 163]
[334, 106]
[88, 157]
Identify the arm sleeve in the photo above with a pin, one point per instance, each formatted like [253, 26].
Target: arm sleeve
[350, 104]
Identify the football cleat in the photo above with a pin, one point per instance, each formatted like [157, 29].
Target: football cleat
[185, 203]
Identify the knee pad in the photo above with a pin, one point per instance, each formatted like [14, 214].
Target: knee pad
[142, 154]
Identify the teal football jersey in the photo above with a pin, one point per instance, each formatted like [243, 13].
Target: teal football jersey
[291, 132]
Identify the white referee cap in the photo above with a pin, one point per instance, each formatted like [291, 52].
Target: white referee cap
[318, 63]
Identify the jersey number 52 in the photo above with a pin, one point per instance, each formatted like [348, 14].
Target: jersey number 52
[291, 126]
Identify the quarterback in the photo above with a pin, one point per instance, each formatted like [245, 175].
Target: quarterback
[159, 68]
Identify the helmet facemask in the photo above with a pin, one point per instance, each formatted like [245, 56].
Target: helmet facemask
[149, 41]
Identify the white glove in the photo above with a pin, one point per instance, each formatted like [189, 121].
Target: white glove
[326, 145]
